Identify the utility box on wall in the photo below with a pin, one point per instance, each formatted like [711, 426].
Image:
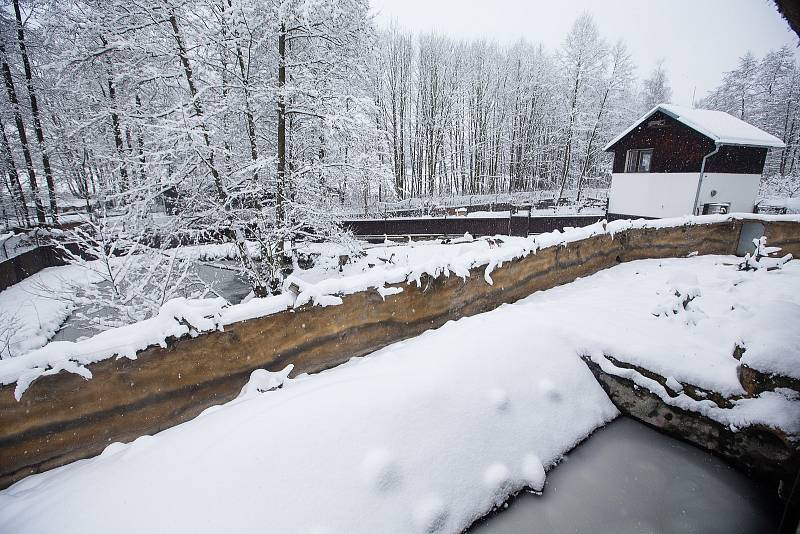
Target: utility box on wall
[674, 161]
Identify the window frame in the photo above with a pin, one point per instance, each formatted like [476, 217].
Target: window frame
[633, 160]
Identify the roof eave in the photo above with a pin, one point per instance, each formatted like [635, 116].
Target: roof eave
[752, 145]
[636, 123]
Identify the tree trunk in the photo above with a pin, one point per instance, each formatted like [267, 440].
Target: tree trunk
[115, 123]
[37, 122]
[13, 175]
[251, 123]
[23, 137]
[140, 142]
[198, 108]
[280, 193]
[590, 144]
[568, 144]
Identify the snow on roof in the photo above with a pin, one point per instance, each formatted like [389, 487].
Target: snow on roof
[720, 127]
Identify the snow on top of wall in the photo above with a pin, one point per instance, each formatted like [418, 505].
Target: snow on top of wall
[720, 127]
[182, 317]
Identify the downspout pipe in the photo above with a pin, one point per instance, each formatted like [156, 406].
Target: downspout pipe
[696, 208]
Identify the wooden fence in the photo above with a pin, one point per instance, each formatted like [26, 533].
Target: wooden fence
[517, 225]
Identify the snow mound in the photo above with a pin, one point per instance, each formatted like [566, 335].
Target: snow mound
[771, 339]
[380, 471]
[549, 390]
[497, 477]
[430, 515]
[533, 472]
[498, 398]
[673, 384]
[262, 381]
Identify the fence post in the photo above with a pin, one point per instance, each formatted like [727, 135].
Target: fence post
[528, 225]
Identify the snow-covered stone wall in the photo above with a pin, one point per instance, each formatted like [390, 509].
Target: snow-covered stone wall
[198, 355]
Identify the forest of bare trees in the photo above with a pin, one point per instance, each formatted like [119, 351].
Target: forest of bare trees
[264, 120]
[474, 117]
[765, 92]
[243, 118]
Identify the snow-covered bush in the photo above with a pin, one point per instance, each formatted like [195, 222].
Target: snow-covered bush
[760, 259]
[133, 278]
[678, 299]
[779, 187]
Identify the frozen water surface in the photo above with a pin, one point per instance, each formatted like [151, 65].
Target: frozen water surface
[627, 478]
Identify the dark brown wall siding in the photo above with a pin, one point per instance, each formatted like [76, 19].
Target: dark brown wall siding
[678, 148]
[737, 160]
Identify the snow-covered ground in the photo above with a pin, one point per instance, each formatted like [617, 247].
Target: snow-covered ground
[33, 310]
[456, 419]
[635, 312]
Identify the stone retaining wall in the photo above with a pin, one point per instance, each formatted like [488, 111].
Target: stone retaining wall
[62, 418]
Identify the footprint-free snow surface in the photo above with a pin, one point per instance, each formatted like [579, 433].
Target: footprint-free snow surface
[429, 434]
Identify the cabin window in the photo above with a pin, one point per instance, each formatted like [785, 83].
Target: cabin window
[638, 160]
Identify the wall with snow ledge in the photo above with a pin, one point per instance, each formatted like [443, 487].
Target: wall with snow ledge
[761, 451]
[63, 417]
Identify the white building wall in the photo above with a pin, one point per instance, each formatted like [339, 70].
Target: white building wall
[738, 189]
[672, 194]
[652, 194]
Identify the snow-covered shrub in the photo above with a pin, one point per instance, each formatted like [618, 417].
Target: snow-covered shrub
[133, 279]
[678, 299]
[781, 191]
[761, 259]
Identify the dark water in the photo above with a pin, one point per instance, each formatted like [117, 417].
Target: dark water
[628, 478]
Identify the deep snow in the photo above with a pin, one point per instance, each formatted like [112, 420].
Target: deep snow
[425, 435]
[431, 433]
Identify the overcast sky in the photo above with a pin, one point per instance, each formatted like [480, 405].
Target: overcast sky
[698, 39]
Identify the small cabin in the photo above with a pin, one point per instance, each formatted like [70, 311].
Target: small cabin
[677, 161]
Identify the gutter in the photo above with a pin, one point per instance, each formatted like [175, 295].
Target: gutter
[702, 173]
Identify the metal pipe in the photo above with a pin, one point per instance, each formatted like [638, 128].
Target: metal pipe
[695, 208]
